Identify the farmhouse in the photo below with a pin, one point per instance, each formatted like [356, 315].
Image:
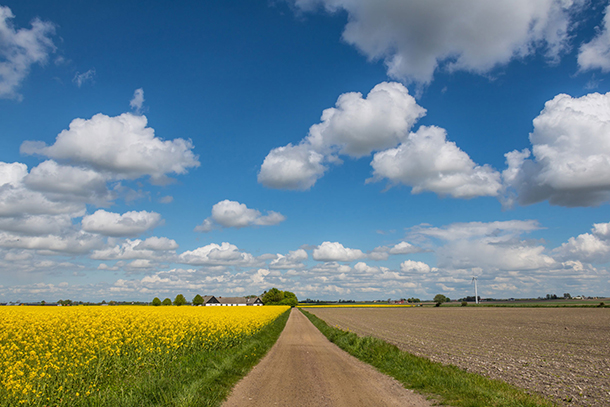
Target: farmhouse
[210, 300]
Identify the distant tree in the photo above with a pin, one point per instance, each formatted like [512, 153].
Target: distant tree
[112, 303]
[167, 301]
[273, 297]
[180, 300]
[413, 299]
[103, 301]
[567, 296]
[439, 299]
[156, 301]
[43, 302]
[198, 300]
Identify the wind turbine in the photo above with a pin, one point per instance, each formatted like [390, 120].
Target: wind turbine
[476, 297]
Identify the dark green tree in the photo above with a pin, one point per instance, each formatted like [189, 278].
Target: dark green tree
[198, 300]
[439, 299]
[167, 301]
[156, 301]
[180, 300]
[289, 299]
[273, 297]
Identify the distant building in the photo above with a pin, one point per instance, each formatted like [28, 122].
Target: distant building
[232, 301]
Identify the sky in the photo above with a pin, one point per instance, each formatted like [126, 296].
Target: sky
[339, 149]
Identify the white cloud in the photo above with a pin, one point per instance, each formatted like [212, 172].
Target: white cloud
[36, 224]
[293, 260]
[410, 266]
[356, 126]
[468, 230]
[334, 251]
[16, 200]
[157, 243]
[404, 248]
[113, 224]
[292, 167]
[383, 252]
[232, 214]
[81, 78]
[69, 242]
[588, 247]
[213, 255]
[426, 161]
[153, 248]
[571, 154]
[20, 49]
[64, 182]
[415, 38]
[137, 102]
[123, 146]
[595, 54]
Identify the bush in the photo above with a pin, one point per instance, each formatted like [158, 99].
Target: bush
[198, 300]
[156, 301]
[464, 303]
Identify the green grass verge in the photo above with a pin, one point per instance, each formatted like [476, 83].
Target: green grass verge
[446, 384]
[199, 379]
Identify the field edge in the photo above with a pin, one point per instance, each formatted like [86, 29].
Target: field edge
[446, 384]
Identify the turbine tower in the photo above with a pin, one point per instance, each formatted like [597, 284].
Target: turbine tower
[476, 296]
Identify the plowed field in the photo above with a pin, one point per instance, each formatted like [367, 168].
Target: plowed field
[561, 353]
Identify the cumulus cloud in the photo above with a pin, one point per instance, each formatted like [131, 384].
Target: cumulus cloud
[356, 126]
[64, 182]
[20, 49]
[232, 214]
[418, 267]
[595, 54]
[123, 146]
[113, 224]
[488, 245]
[68, 242]
[153, 248]
[292, 167]
[383, 252]
[137, 102]
[293, 260]
[588, 247]
[16, 200]
[426, 161]
[335, 251]
[571, 154]
[415, 39]
[213, 254]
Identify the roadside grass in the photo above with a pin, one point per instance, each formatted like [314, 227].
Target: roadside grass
[195, 378]
[446, 384]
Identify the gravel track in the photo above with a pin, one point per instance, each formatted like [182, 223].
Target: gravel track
[304, 369]
[562, 353]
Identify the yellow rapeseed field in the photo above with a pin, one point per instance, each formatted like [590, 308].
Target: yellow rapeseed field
[50, 351]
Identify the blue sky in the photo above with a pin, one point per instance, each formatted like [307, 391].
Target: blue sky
[335, 148]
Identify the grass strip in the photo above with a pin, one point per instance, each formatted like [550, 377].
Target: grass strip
[452, 385]
[203, 378]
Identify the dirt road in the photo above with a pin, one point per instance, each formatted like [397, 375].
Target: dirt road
[304, 369]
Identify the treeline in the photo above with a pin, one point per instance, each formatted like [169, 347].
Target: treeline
[179, 300]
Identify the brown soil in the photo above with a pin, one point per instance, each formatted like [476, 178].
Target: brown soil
[562, 353]
[304, 369]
